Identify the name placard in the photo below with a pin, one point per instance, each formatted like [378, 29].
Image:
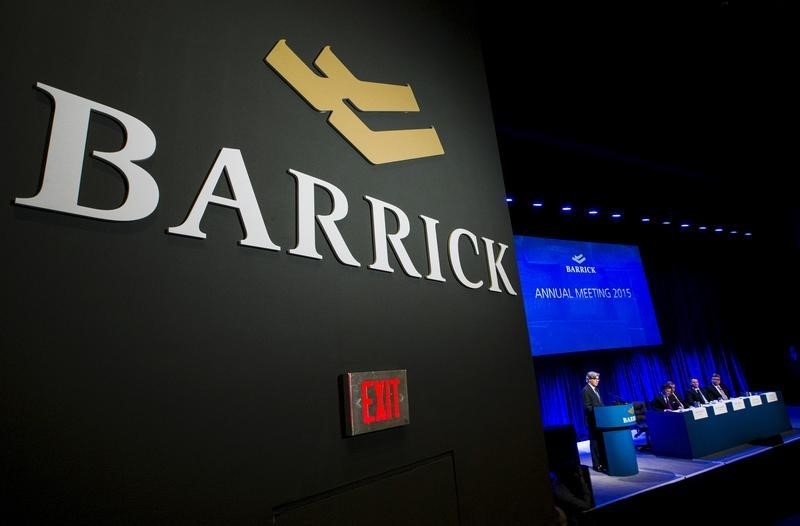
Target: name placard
[738, 403]
[720, 409]
[754, 400]
[771, 397]
[699, 413]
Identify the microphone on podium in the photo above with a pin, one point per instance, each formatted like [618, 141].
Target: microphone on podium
[618, 400]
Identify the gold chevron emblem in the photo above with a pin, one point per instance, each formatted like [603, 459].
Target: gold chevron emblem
[328, 94]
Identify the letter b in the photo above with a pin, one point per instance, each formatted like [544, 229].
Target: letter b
[64, 166]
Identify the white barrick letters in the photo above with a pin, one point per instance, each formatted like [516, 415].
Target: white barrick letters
[64, 166]
[229, 161]
[62, 179]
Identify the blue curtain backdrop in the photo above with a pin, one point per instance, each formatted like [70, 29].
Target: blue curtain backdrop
[704, 321]
[627, 376]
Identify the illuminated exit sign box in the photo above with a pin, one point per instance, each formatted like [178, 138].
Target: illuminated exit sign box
[375, 400]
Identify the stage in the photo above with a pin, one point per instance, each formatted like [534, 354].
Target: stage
[727, 482]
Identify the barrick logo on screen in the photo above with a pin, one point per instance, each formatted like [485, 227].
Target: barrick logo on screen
[63, 170]
[579, 259]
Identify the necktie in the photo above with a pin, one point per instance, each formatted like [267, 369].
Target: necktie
[597, 394]
[702, 396]
[721, 392]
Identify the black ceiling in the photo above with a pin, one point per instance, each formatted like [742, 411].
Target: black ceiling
[683, 121]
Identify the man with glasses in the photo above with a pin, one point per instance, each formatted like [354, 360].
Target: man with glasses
[717, 390]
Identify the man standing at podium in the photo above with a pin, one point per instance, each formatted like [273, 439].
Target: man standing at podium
[591, 399]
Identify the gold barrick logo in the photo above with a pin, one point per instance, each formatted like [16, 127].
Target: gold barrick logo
[329, 93]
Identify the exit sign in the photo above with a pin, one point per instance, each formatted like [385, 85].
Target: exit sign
[375, 400]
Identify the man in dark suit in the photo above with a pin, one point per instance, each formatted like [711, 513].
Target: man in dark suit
[675, 401]
[717, 391]
[666, 401]
[695, 395]
[592, 399]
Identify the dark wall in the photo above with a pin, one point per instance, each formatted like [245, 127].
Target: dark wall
[151, 378]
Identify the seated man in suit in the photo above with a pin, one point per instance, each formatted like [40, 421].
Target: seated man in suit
[694, 395]
[675, 401]
[717, 391]
[666, 401]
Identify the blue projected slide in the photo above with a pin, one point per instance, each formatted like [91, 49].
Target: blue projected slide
[582, 296]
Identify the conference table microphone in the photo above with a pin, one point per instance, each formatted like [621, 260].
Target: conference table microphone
[680, 404]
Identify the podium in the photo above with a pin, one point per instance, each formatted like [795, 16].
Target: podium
[615, 422]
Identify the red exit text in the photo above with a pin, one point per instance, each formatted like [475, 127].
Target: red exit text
[380, 400]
